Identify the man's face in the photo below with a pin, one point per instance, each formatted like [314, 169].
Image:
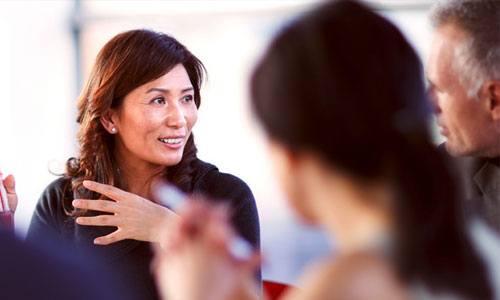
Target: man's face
[464, 122]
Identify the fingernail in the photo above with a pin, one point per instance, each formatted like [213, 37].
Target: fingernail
[87, 183]
[78, 220]
[97, 242]
[76, 203]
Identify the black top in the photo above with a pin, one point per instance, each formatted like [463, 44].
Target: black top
[132, 258]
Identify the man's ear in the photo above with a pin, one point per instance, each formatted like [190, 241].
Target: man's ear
[492, 89]
[108, 123]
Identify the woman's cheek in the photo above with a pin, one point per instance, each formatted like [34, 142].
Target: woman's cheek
[191, 118]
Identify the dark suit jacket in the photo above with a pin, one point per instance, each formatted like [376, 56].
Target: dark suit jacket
[479, 179]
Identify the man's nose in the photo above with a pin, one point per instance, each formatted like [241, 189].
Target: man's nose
[435, 106]
[175, 117]
[434, 102]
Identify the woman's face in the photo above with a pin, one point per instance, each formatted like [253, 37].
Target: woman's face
[155, 120]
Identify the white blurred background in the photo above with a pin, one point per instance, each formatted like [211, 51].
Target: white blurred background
[48, 48]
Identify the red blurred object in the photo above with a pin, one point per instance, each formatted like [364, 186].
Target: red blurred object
[6, 217]
[6, 220]
[273, 289]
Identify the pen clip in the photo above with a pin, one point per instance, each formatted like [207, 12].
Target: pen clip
[170, 196]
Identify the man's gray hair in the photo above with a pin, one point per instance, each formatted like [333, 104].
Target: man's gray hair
[477, 59]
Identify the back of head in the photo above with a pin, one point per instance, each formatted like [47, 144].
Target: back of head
[338, 81]
[478, 58]
[344, 83]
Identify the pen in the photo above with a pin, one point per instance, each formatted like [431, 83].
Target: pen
[174, 199]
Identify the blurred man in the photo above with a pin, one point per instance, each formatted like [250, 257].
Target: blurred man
[463, 71]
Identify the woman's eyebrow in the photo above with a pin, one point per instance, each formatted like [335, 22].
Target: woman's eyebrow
[167, 90]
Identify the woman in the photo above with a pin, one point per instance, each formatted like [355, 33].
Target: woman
[340, 95]
[136, 114]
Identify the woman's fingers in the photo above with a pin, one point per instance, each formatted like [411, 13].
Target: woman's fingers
[136, 217]
[107, 190]
[193, 217]
[97, 205]
[253, 262]
[198, 255]
[113, 237]
[210, 225]
[190, 224]
[102, 220]
[10, 186]
[219, 233]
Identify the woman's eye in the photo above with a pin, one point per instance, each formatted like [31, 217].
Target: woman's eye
[158, 100]
[188, 98]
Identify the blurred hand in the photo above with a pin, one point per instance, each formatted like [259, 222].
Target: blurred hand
[136, 218]
[196, 263]
[10, 186]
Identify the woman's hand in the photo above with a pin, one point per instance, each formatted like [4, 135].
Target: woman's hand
[10, 186]
[136, 218]
[197, 262]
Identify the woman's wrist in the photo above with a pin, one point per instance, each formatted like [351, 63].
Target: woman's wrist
[164, 225]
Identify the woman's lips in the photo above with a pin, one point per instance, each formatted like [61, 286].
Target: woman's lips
[172, 143]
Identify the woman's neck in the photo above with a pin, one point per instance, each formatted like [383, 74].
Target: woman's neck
[355, 213]
[138, 176]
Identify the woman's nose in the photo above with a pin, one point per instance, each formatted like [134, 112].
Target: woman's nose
[175, 117]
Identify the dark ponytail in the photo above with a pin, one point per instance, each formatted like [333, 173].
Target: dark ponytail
[432, 245]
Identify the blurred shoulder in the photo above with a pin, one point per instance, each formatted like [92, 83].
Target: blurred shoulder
[361, 275]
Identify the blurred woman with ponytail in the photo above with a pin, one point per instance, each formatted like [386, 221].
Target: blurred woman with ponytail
[340, 94]
[136, 114]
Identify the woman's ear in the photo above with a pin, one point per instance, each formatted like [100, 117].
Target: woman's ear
[290, 170]
[283, 161]
[108, 123]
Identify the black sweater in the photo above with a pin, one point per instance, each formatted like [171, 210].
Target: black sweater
[131, 258]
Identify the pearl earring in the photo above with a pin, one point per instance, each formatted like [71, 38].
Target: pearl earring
[113, 129]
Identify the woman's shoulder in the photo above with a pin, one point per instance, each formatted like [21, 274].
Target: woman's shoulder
[229, 189]
[208, 179]
[55, 193]
[355, 276]
[49, 217]
[58, 186]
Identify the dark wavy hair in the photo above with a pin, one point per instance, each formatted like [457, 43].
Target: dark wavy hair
[343, 82]
[128, 60]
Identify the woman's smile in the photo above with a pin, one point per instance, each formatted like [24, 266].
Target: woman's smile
[155, 121]
[172, 142]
